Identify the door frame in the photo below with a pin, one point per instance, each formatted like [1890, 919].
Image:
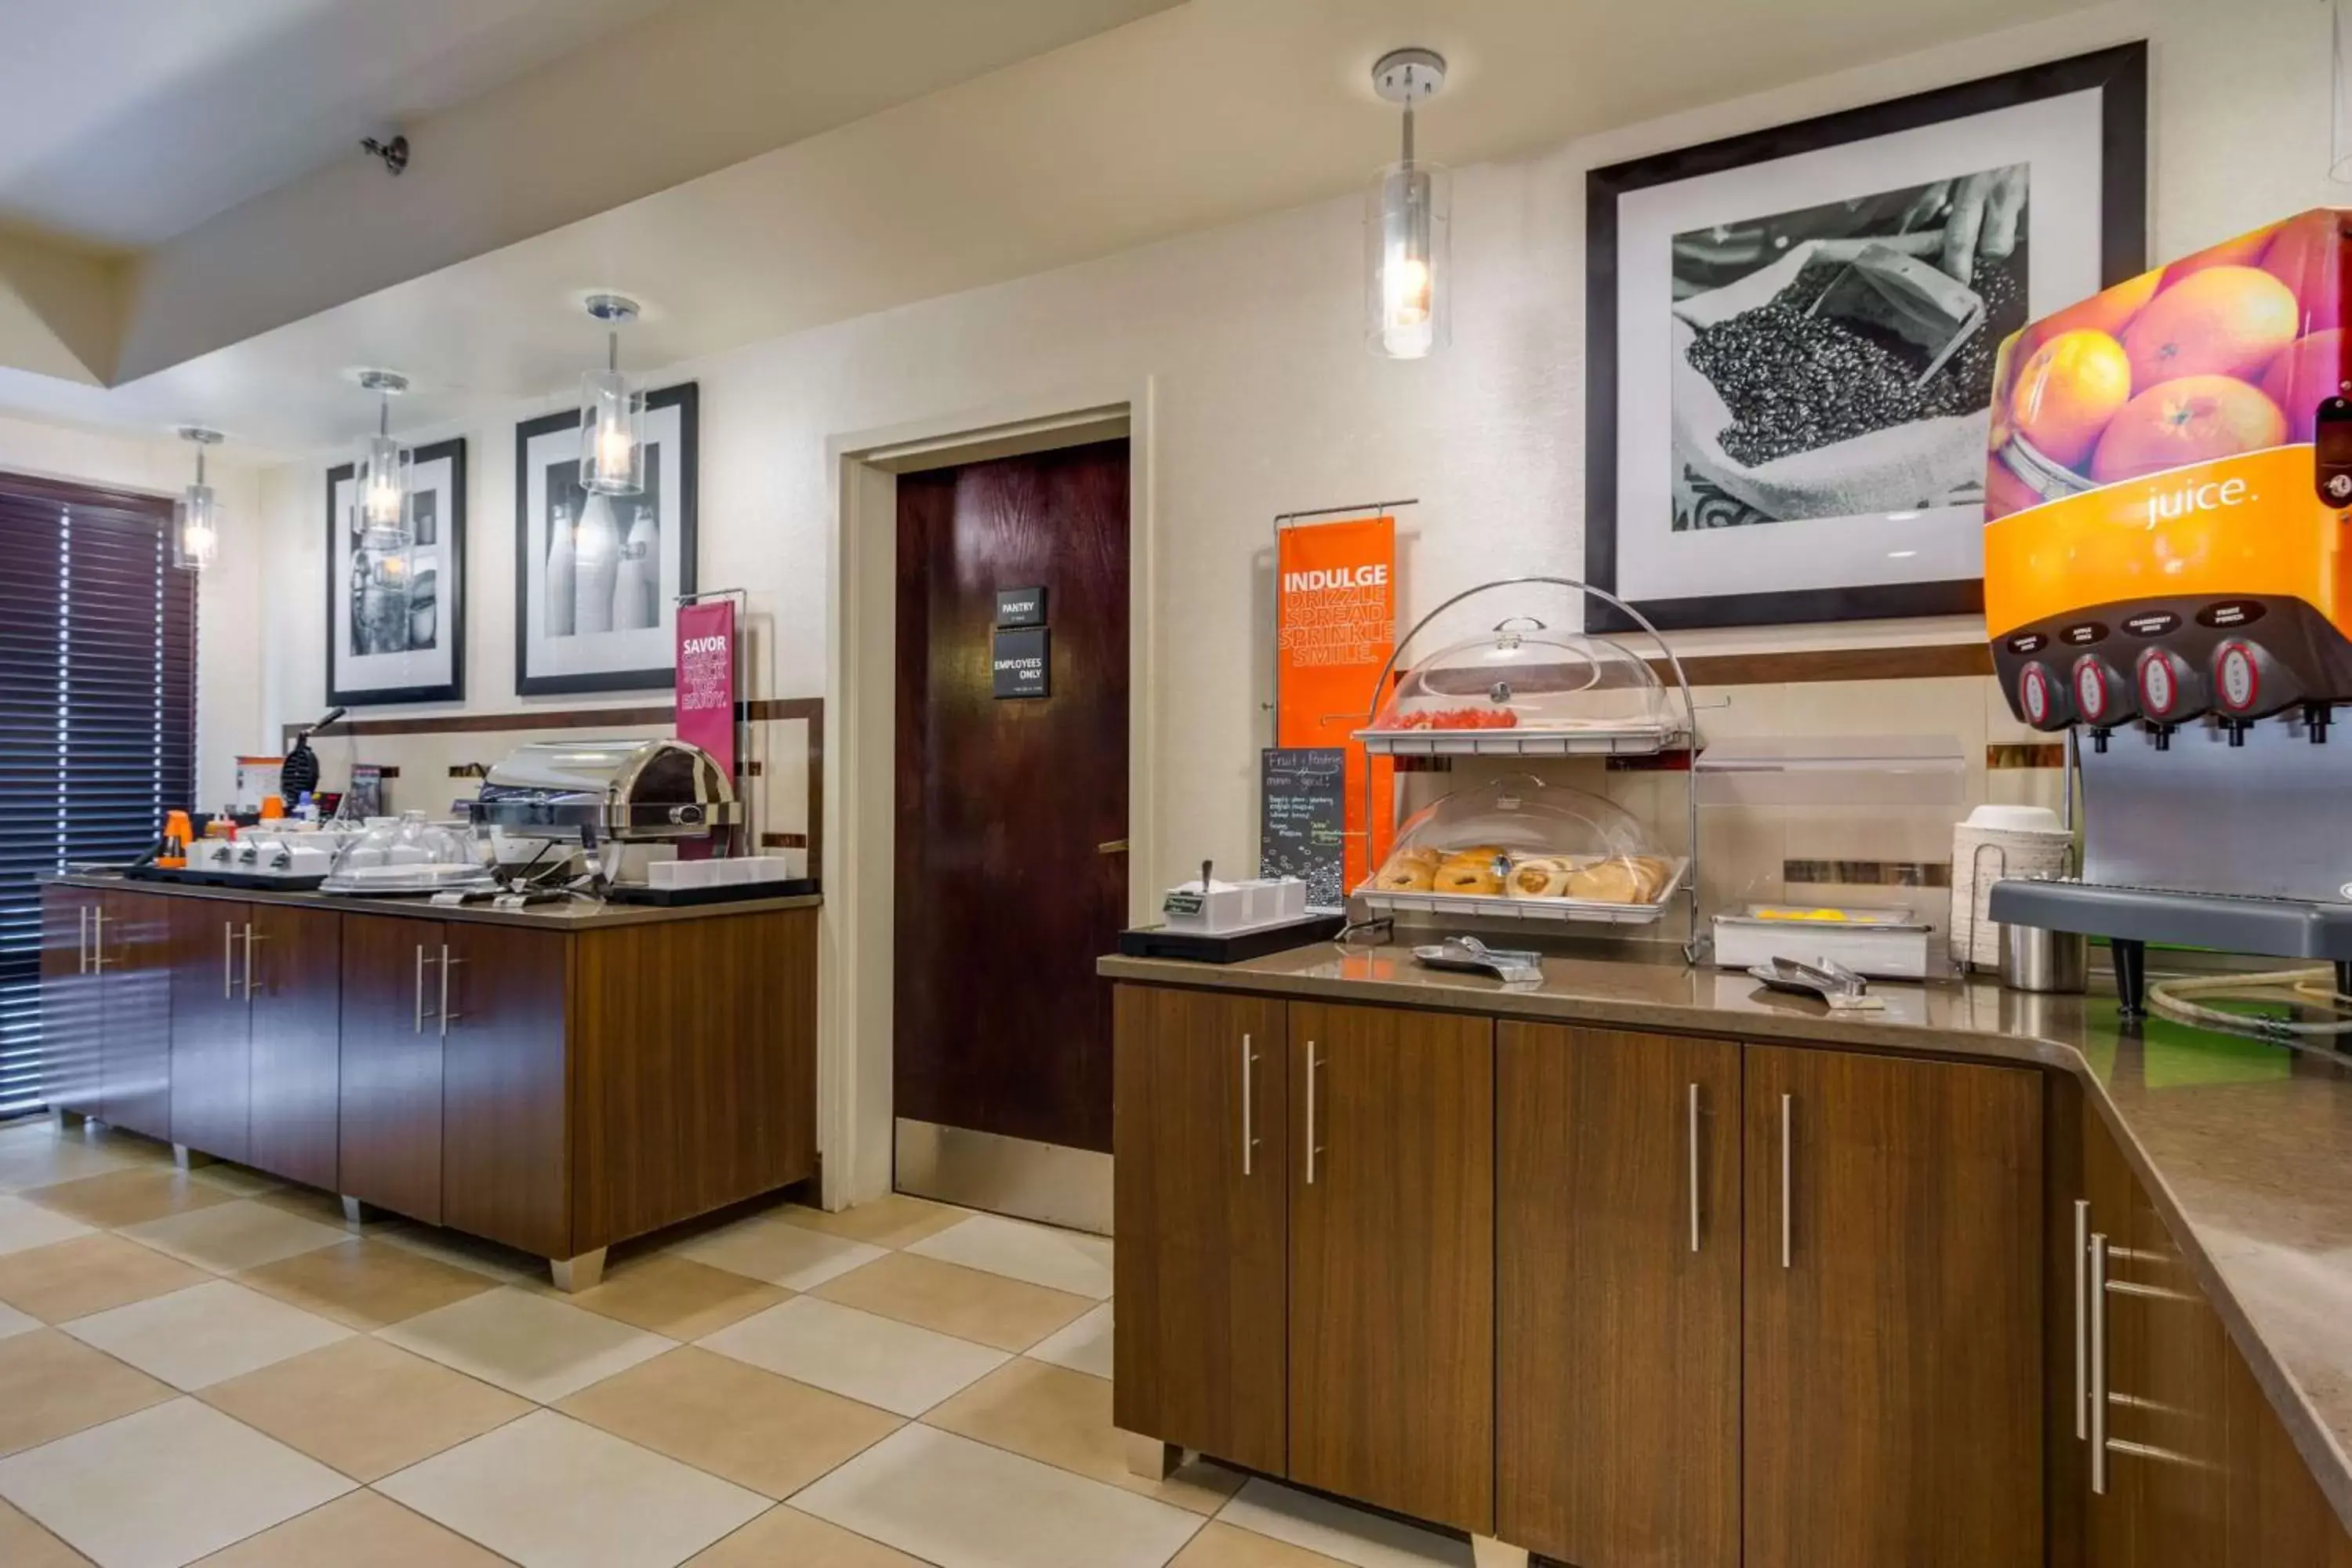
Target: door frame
[856, 954]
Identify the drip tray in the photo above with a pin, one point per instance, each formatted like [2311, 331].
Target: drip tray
[2273, 928]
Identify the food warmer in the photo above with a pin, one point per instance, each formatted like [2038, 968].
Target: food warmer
[600, 792]
[1519, 848]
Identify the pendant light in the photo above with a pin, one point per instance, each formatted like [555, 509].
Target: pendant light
[382, 475]
[612, 414]
[2339, 150]
[1407, 220]
[196, 534]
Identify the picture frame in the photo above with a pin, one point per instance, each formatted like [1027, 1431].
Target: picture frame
[1740, 372]
[616, 628]
[396, 620]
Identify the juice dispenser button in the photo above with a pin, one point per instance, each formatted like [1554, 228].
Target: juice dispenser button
[2040, 698]
[2169, 690]
[2241, 684]
[2102, 696]
[2249, 683]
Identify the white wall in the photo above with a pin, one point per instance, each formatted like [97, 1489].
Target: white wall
[228, 644]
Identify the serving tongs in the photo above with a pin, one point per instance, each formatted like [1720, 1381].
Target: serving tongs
[1467, 953]
[1828, 981]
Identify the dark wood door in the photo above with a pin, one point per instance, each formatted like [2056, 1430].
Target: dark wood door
[1892, 1385]
[1202, 1259]
[211, 1032]
[1617, 1255]
[1010, 874]
[1391, 1323]
[389, 1088]
[297, 987]
[503, 1150]
[133, 946]
[73, 1018]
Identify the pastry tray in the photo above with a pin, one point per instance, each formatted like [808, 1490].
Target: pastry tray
[1500, 907]
[1644, 741]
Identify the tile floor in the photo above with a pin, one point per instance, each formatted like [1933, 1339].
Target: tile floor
[205, 1367]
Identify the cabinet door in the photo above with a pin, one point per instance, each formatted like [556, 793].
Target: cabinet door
[1199, 1127]
[211, 1056]
[2113, 1532]
[499, 996]
[2278, 1516]
[1392, 1259]
[2171, 1386]
[72, 1015]
[1893, 1376]
[134, 948]
[297, 988]
[1617, 1249]
[389, 1087]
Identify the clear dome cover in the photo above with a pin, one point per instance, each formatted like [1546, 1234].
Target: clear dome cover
[408, 851]
[1519, 838]
[1524, 676]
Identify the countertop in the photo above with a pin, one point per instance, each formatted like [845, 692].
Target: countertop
[576, 916]
[2245, 1148]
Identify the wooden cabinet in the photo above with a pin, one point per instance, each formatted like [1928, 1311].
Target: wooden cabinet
[1392, 1214]
[1617, 1251]
[1201, 1125]
[130, 948]
[501, 1020]
[211, 1030]
[1892, 1367]
[73, 1020]
[2276, 1515]
[295, 1018]
[389, 1088]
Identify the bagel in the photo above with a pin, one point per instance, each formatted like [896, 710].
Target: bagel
[1469, 874]
[1616, 880]
[1405, 874]
[1538, 876]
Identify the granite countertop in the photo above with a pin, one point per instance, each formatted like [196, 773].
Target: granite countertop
[2245, 1148]
[577, 915]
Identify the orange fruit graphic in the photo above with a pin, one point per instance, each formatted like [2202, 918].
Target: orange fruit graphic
[2109, 311]
[2067, 391]
[2005, 492]
[2191, 419]
[2303, 255]
[2224, 321]
[2311, 371]
[2246, 250]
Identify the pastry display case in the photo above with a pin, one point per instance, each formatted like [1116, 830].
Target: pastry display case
[1519, 848]
[1523, 690]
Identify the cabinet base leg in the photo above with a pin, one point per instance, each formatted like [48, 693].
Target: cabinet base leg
[1148, 1457]
[579, 1273]
[357, 1213]
[1488, 1553]
[187, 1159]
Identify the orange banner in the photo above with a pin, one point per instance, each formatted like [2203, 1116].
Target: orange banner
[1336, 617]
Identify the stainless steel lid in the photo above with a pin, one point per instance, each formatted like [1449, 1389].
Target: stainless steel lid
[623, 789]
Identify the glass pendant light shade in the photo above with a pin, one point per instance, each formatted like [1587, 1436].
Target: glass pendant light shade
[2339, 150]
[1407, 254]
[380, 478]
[612, 412]
[195, 522]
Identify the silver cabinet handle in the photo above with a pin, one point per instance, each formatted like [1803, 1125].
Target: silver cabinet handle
[2082, 1318]
[1312, 1147]
[1693, 1117]
[420, 988]
[448, 1017]
[2098, 1251]
[98, 940]
[1788, 1179]
[249, 939]
[228, 961]
[81, 939]
[1249, 1118]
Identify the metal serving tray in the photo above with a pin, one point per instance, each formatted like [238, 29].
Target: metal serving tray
[1498, 907]
[1636, 742]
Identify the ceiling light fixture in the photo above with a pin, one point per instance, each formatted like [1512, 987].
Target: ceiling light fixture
[382, 475]
[392, 154]
[612, 413]
[1407, 224]
[196, 534]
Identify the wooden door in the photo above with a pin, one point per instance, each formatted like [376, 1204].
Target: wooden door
[134, 948]
[1617, 1252]
[211, 1032]
[1892, 1385]
[1012, 870]
[1392, 1259]
[297, 987]
[1202, 1259]
[2113, 1531]
[503, 1148]
[389, 1088]
[72, 1010]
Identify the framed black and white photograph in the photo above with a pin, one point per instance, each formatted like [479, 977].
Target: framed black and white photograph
[396, 614]
[1790, 339]
[597, 577]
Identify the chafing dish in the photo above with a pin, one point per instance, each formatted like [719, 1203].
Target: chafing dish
[618, 791]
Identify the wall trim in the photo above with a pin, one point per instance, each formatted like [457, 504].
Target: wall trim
[1918, 661]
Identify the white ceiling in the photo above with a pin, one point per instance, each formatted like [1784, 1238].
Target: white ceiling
[124, 122]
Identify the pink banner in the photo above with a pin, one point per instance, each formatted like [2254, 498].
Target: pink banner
[705, 679]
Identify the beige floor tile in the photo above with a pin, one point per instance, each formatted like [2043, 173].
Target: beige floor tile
[362, 1283]
[1221, 1545]
[877, 1360]
[165, 1487]
[358, 1529]
[127, 1197]
[23, 1544]
[536, 1346]
[966, 1505]
[784, 1535]
[90, 1274]
[987, 1309]
[24, 1226]
[14, 1323]
[193, 1339]
[1351, 1535]
[720, 1415]
[1063, 1417]
[766, 1249]
[45, 1162]
[326, 1208]
[552, 1493]
[52, 1385]
[1057, 1260]
[236, 1181]
[1085, 1346]
[487, 1258]
[363, 1406]
[240, 1234]
[892, 1221]
[677, 1296]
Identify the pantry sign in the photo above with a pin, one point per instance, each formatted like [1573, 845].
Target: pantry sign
[1335, 626]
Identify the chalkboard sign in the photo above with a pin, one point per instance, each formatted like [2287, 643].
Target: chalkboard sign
[1301, 816]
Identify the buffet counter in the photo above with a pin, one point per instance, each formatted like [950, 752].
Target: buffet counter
[2213, 1166]
[556, 1078]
